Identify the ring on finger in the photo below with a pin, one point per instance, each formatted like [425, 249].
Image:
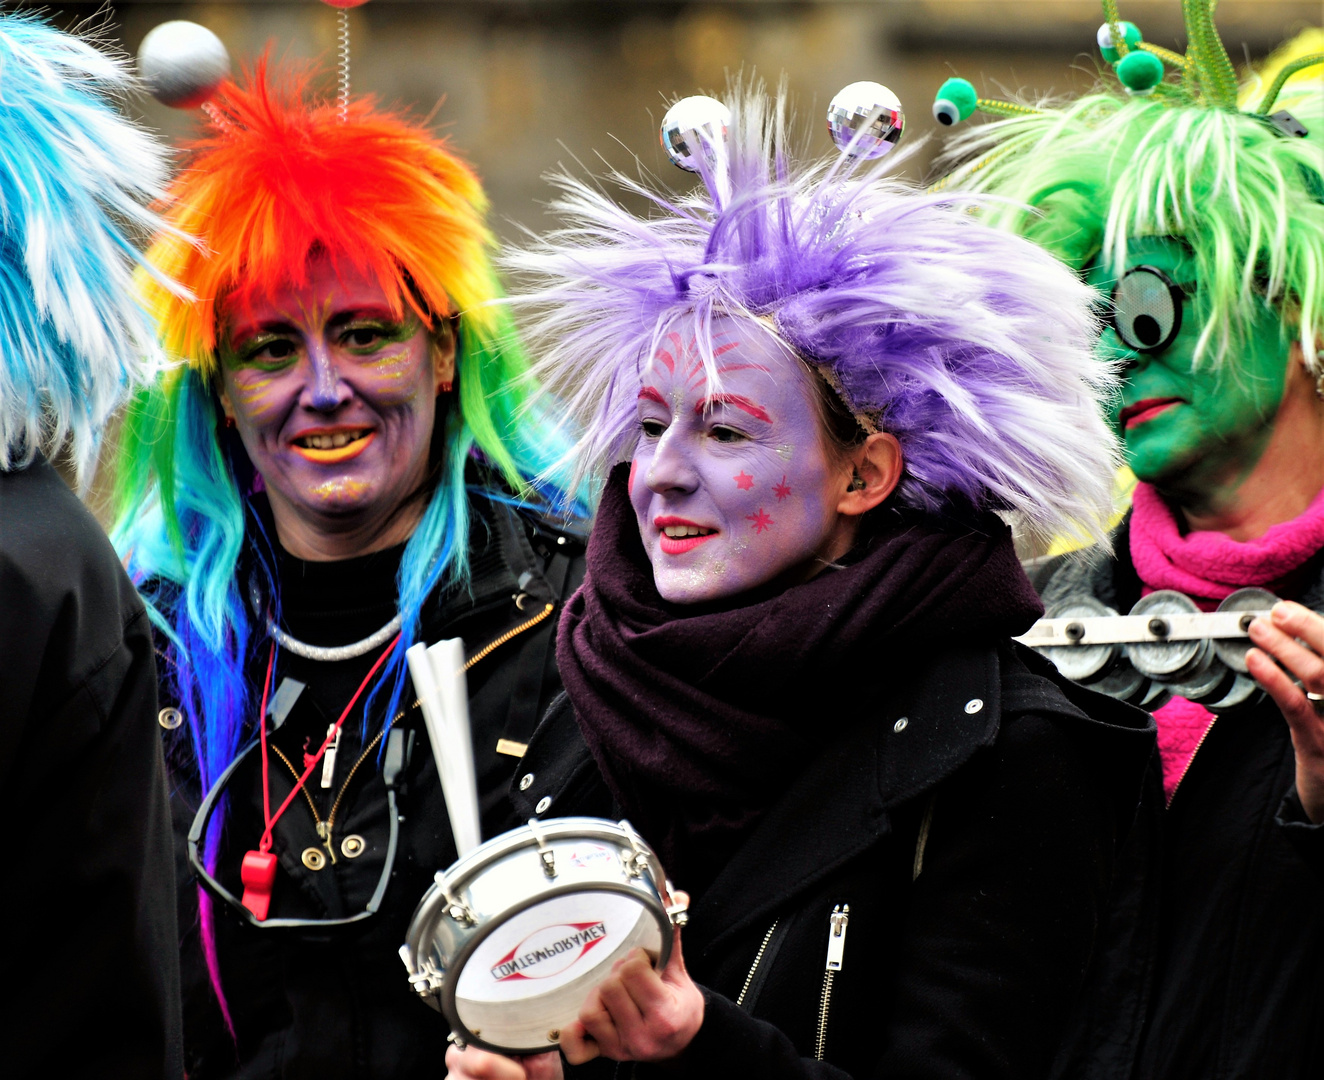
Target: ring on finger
[1316, 702]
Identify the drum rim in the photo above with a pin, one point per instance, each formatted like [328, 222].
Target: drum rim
[460, 874]
[462, 870]
[650, 901]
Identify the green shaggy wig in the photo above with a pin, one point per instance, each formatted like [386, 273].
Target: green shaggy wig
[1083, 177]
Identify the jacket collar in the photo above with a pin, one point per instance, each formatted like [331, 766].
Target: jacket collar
[840, 805]
[503, 566]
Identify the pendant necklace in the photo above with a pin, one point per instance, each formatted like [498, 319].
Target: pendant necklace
[258, 870]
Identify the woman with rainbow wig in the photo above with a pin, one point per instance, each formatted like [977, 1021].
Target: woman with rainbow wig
[1196, 207]
[340, 465]
[810, 391]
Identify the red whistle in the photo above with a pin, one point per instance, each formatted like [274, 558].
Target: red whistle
[258, 874]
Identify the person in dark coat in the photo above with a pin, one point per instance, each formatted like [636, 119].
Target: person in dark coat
[348, 472]
[87, 896]
[790, 662]
[1203, 230]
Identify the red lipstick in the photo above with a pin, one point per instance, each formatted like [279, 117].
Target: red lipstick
[1144, 411]
[678, 545]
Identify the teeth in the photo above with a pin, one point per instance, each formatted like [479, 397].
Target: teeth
[331, 442]
[678, 531]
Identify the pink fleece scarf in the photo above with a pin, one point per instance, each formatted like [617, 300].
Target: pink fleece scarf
[1208, 566]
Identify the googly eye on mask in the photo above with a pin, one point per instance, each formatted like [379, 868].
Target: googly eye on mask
[1147, 309]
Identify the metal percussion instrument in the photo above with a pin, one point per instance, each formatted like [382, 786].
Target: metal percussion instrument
[1166, 645]
[509, 941]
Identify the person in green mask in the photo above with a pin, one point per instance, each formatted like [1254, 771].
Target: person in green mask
[1196, 209]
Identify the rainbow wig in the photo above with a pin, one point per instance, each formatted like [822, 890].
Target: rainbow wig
[1190, 156]
[971, 346]
[277, 179]
[75, 181]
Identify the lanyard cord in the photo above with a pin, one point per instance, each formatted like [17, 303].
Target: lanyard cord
[264, 844]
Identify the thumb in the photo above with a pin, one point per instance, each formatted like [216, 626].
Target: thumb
[674, 973]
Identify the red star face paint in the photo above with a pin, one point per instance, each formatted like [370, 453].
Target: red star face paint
[334, 396]
[729, 482]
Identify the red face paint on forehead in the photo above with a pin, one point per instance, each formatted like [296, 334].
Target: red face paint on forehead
[719, 448]
[686, 355]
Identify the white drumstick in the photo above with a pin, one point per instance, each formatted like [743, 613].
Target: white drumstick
[438, 674]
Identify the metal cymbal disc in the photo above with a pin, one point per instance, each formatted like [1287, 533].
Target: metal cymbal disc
[1232, 651]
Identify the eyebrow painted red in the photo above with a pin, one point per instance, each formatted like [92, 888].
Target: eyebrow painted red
[735, 401]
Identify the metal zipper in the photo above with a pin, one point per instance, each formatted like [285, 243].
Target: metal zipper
[1191, 760]
[837, 923]
[512, 632]
[758, 959]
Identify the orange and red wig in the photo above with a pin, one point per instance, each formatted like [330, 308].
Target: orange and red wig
[276, 178]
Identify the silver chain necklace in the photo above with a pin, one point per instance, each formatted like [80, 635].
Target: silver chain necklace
[329, 654]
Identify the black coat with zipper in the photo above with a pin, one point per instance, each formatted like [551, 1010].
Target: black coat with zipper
[336, 1002]
[966, 830]
[1212, 963]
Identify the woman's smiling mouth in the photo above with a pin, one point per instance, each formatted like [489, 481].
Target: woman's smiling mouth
[331, 446]
[680, 536]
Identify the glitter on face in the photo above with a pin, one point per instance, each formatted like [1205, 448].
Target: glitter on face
[333, 395]
[340, 488]
[703, 513]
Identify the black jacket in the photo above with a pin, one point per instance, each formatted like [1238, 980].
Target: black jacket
[1212, 966]
[973, 843]
[89, 962]
[336, 1002]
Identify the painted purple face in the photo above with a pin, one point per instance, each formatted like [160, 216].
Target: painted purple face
[732, 487]
[334, 397]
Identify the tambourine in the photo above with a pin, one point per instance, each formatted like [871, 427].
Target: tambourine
[1166, 645]
[509, 941]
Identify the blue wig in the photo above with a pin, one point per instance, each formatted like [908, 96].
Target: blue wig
[75, 181]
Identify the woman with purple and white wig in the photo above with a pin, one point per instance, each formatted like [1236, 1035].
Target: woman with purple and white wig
[814, 397]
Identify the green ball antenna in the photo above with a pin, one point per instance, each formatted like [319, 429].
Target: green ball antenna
[1139, 72]
[1131, 38]
[956, 101]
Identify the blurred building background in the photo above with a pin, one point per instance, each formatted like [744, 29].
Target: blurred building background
[523, 86]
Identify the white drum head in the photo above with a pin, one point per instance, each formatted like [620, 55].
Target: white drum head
[531, 973]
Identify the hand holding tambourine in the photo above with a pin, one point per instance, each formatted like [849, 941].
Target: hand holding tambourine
[1294, 636]
[636, 1014]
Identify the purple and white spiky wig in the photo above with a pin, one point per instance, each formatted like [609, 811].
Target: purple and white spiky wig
[972, 347]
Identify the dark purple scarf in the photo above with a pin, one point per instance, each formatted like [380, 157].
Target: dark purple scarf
[699, 717]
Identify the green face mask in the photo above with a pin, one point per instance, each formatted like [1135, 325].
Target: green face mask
[1185, 428]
